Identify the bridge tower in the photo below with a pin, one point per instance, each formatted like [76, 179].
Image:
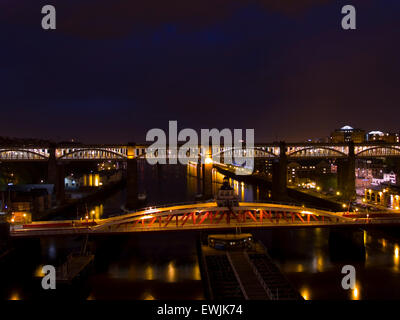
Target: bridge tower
[279, 174]
[56, 175]
[131, 179]
[346, 180]
[207, 165]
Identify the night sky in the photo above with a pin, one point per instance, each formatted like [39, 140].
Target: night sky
[115, 69]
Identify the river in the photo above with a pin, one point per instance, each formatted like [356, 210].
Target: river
[165, 265]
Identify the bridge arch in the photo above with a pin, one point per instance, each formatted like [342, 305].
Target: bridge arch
[378, 151]
[27, 154]
[260, 150]
[166, 154]
[92, 153]
[315, 151]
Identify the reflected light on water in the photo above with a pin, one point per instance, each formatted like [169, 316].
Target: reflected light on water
[196, 272]
[148, 296]
[171, 272]
[396, 256]
[355, 293]
[15, 296]
[38, 272]
[236, 187]
[305, 293]
[98, 211]
[300, 268]
[318, 262]
[149, 273]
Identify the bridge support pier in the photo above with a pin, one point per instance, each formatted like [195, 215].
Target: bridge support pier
[131, 184]
[207, 180]
[279, 174]
[346, 180]
[56, 176]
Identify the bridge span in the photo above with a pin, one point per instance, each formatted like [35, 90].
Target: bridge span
[79, 152]
[204, 216]
[278, 153]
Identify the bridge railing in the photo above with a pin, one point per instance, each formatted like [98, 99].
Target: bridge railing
[155, 208]
[293, 204]
[161, 206]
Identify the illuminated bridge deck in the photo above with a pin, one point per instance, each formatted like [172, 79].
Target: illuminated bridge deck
[207, 215]
[79, 152]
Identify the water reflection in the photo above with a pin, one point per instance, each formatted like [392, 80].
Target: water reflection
[96, 211]
[302, 254]
[15, 296]
[148, 296]
[196, 272]
[365, 237]
[356, 292]
[245, 192]
[169, 184]
[300, 268]
[39, 271]
[396, 257]
[384, 243]
[149, 275]
[171, 272]
[318, 262]
[305, 293]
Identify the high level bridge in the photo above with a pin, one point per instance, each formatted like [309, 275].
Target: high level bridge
[279, 153]
[204, 216]
[98, 152]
